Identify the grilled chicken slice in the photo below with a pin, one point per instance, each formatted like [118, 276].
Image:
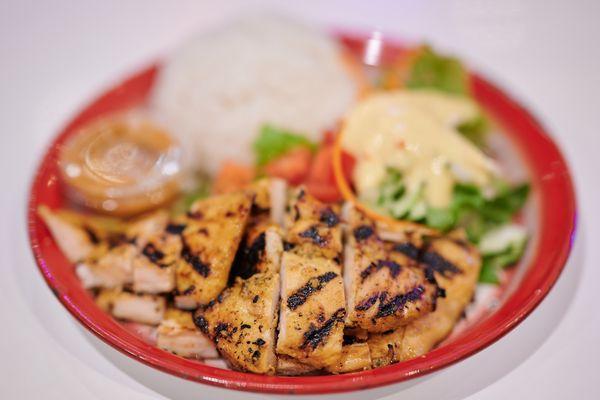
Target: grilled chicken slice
[386, 347]
[242, 323]
[385, 289]
[145, 309]
[209, 245]
[455, 264]
[288, 366]
[269, 199]
[154, 266]
[73, 239]
[178, 334]
[112, 269]
[313, 228]
[261, 249]
[147, 226]
[355, 357]
[313, 310]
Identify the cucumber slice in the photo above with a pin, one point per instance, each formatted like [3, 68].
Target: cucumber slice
[502, 239]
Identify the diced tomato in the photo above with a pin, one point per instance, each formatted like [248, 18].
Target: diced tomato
[293, 166]
[326, 192]
[232, 177]
[321, 179]
[329, 137]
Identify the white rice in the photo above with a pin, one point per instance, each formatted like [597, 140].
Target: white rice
[218, 89]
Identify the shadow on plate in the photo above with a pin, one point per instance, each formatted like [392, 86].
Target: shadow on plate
[499, 359]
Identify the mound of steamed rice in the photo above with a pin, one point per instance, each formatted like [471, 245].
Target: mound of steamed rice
[216, 91]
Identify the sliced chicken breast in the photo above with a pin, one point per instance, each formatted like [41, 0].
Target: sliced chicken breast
[354, 357]
[385, 347]
[147, 226]
[178, 335]
[154, 266]
[112, 269]
[385, 289]
[261, 249]
[145, 309]
[313, 310]
[288, 366]
[242, 322]
[210, 241]
[269, 199]
[455, 264]
[313, 228]
[75, 242]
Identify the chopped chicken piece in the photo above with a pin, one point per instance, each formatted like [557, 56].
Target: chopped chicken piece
[178, 334]
[270, 198]
[74, 240]
[111, 270]
[145, 309]
[242, 323]
[154, 266]
[289, 366]
[355, 357]
[209, 245]
[145, 227]
[313, 228]
[385, 289]
[455, 264]
[385, 347]
[261, 249]
[313, 310]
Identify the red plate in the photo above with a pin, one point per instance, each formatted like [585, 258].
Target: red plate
[552, 187]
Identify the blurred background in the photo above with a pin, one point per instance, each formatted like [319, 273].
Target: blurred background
[56, 55]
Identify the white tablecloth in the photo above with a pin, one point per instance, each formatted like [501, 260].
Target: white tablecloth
[56, 55]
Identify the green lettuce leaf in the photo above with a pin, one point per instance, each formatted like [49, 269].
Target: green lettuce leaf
[435, 71]
[273, 142]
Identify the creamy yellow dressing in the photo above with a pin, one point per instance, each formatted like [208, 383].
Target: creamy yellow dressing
[415, 132]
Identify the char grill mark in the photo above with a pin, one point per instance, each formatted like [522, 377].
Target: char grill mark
[175, 229]
[391, 265]
[247, 257]
[363, 232]
[192, 259]
[397, 302]
[433, 261]
[436, 263]
[255, 252]
[368, 303]
[219, 329]
[312, 286]
[408, 249]
[195, 214]
[91, 234]
[153, 254]
[329, 218]
[313, 234]
[201, 323]
[317, 335]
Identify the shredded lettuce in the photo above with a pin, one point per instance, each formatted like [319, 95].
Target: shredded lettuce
[501, 248]
[475, 129]
[430, 70]
[273, 142]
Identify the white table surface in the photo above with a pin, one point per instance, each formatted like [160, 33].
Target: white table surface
[55, 55]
